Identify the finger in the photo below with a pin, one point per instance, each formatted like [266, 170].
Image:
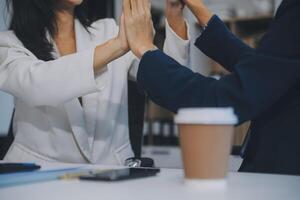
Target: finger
[122, 21]
[134, 7]
[122, 25]
[146, 6]
[140, 6]
[126, 8]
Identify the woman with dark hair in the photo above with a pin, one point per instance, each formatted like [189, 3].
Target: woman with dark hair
[69, 76]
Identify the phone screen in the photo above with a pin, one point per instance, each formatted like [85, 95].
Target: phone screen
[121, 174]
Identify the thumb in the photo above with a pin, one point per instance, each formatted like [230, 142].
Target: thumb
[122, 21]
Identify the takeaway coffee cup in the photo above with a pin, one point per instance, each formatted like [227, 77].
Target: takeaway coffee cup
[206, 140]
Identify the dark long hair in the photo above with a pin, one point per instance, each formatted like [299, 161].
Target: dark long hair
[31, 19]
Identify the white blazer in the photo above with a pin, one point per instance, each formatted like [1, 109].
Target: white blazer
[50, 125]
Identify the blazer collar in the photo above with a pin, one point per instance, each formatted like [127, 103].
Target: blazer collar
[285, 6]
[84, 39]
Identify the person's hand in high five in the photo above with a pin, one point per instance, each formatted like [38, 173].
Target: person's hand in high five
[138, 26]
[174, 14]
[121, 38]
[202, 13]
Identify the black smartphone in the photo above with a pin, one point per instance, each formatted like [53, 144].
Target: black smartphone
[17, 167]
[121, 174]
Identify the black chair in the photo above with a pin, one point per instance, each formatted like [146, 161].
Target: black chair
[136, 112]
[6, 141]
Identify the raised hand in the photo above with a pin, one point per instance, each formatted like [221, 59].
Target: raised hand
[121, 38]
[202, 13]
[174, 14]
[138, 26]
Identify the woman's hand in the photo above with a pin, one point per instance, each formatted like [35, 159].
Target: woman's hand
[174, 14]
[198, 8]
[121, 39]
[138, 26]
[112, 49]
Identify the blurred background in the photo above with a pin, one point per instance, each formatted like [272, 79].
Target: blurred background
[248, 19]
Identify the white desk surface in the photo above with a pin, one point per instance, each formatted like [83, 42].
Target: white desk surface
[167, 185]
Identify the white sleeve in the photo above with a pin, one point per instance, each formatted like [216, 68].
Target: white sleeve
[176, 47]
[134, 67]
[40, 83]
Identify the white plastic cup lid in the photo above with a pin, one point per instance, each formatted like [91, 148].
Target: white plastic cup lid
[207, 116]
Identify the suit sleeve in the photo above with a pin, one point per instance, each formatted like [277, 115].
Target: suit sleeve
[221, 45]
[40, 83]
[258, 82]
[281, 40]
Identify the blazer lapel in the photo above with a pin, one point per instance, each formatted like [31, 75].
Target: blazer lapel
[77, 123]
[84, 41]
[73, 108]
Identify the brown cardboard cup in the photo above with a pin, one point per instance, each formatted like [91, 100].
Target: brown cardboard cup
[206, 140]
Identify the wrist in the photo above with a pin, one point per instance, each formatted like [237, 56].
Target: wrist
[204, 16]
[202, 13]
[118, 47]
[142, 49]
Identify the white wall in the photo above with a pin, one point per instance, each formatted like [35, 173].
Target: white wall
[3, 12]
[277, 3]
[6, 101]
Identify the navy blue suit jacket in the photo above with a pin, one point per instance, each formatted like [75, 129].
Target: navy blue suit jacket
[264, 87]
